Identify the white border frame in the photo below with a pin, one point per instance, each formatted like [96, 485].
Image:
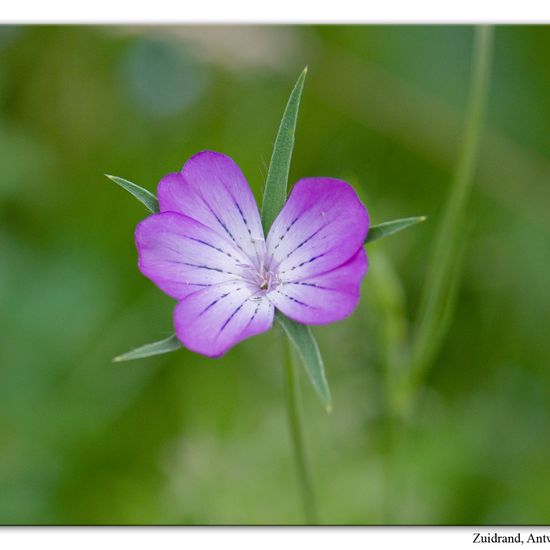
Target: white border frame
[274, 12]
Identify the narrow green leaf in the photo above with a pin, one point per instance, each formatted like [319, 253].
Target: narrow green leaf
[156, 348]
[141, 194]
[308, 350]
[389, 228]
[277, 174]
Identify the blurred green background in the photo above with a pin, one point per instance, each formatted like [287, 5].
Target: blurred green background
[184, 439]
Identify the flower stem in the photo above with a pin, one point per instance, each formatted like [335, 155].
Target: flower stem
[444, 268]
[296, 432]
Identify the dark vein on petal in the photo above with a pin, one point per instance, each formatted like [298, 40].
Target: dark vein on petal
[243, 218]
[206, 243]
[174, 250]
[199, 266]
[293, 299]
[313, 285]
[226, 229]
[252, 239]
[305, 241]
[303, 263]
[232, 315]
[214, 303]
[253, 316]
[289, 227]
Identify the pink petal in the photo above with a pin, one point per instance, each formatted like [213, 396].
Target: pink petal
[323, 298]
[212, 189]
[322, 225]
[214, 319]
[181, 255]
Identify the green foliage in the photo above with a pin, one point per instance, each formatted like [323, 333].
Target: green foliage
[277, 174]
[445, 262]
[303, 341]
[142, 195]
[385, 229]
[156, 348]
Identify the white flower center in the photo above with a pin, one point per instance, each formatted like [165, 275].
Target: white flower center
[265, 279]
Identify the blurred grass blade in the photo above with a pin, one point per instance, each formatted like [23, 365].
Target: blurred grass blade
[277, 174]
[445, 257]
[141, 194]
[446, 311]
[386, 229]
[156, 348]
[308, 350]
[390, 330]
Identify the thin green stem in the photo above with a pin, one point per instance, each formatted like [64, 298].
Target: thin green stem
[296, 432]
[444, 262]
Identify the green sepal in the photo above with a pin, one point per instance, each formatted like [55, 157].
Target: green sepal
[279, 166]
[156, 348]
[142, 195]
[305, 344]
[386, 229]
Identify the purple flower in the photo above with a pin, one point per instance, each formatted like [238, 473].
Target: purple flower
[206, 248]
